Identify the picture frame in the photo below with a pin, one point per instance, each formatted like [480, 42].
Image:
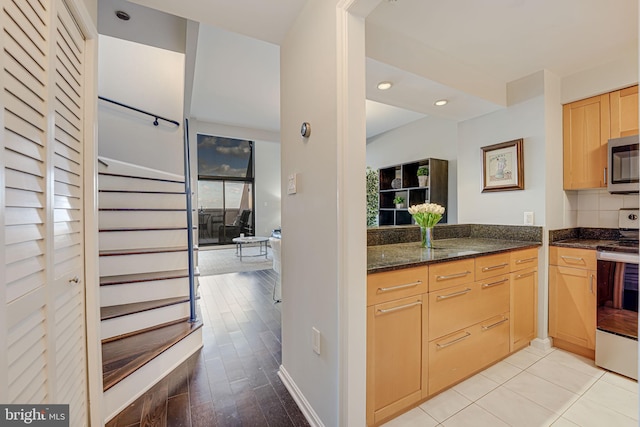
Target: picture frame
[503, 166]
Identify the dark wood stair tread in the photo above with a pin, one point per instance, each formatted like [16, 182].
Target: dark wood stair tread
[122, 357]
[115, 252]
[142, 192]
[113, 311]
[107, 230]
[146, 277]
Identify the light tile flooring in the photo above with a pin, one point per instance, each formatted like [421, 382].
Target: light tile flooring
[532, 388]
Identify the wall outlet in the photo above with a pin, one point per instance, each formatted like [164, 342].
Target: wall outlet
[315, 340]
[528, 218]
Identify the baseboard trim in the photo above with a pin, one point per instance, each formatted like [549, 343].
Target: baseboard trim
[303, 403]
[542, 344]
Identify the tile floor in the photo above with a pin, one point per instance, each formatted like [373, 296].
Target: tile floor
[533, 388]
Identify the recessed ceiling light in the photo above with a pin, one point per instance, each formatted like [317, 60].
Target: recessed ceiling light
[440, 102]
[384, 85]
[121, 14]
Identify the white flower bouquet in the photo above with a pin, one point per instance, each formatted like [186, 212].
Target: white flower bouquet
[427, 214]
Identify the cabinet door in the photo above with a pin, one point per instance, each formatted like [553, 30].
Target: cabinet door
[394, 356]
[624, 112]
[524, 307]
[586, 130]
[572, 305]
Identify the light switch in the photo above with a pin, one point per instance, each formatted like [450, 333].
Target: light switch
[291, 184]
[315, 334]
[528, 218]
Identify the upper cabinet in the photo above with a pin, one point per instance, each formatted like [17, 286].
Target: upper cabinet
[624, 112]
[422, 181]
[587, 126]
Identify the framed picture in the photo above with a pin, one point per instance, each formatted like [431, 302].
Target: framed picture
[503, 166]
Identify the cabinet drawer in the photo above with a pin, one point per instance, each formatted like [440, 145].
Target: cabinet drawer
[524, 258]
[391, 285]
[492, 265]
[457, 307]
[449, 274]
[572, 257]
[458, 355]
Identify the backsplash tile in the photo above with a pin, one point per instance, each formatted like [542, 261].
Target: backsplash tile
[596, 208]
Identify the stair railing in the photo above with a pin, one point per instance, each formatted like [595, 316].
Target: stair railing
[155, 116]
[187, 188]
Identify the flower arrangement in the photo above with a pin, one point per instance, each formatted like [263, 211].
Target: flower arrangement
[427, 214]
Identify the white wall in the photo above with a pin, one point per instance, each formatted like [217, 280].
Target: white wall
[523, 118]
[150, 79]
[324, 232]
[267, 187]
[428, 137]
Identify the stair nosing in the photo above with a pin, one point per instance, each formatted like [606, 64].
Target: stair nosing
[143, 251]
[161, 303]
[142, 192]
[143, 210]
[108, 230]
[140, 177]
[172, 274]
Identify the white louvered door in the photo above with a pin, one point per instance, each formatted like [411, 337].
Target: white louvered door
[42, 62]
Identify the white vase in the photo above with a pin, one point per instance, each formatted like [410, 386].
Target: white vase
[399, 205]
[422, 180]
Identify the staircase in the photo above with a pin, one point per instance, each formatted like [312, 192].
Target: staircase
[144, 280]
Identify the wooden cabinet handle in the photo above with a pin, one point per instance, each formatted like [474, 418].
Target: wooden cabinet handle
[522, 261]
[455, 294]
[520, 276]
[495, 267]
[591, 283]
[395, 288]
[453, 276]
[400, 307]
[457, 340]
[492, 284]
[486, 328]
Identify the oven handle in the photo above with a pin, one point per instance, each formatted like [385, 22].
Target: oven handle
[618, 257]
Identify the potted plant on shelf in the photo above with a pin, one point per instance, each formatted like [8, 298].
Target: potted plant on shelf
[399, 201]
[423, 174]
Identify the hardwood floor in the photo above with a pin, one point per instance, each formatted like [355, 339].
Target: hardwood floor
[233, 380]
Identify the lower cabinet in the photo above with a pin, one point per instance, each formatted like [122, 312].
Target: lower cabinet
[429, 328]
[395, 356]
[458, 355]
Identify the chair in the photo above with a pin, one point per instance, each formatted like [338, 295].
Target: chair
[239, 225]
[276, 251]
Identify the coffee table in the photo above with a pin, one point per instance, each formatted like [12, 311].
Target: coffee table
[262, 242]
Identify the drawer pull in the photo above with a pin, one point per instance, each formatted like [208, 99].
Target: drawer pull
[455, 294]
[395, 288]
[522, 261]
[520, 276]
[591, 283]
[492, 284]
[466, 335]
[572, 258]
[486, 328]
[495, 267]
[453, 276]
[400, 307]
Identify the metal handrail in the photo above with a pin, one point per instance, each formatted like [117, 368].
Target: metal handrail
[187, 188]
[156, 116]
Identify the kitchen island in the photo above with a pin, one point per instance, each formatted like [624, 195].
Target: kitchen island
[437, 316]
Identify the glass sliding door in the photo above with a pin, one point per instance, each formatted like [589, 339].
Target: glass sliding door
[225, 189]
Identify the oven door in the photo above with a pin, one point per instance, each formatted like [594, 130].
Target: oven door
[623, 165]
[617, 313]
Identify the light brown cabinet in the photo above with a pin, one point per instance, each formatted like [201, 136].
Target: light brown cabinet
[396, 334]
[587, 126]
[624, 112]
[586, 130]
[524, 298]
[572, 299]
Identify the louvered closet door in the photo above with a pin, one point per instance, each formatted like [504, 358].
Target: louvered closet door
[68, 252]
[42, 62]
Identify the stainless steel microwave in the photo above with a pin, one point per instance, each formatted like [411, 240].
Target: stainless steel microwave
[623, 165]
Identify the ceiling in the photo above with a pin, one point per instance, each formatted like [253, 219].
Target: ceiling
[465, 51]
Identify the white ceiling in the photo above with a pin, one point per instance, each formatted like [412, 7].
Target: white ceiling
[462, 50]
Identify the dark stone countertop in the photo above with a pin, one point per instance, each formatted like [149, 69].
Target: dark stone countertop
[402, 255]
[583, 243]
